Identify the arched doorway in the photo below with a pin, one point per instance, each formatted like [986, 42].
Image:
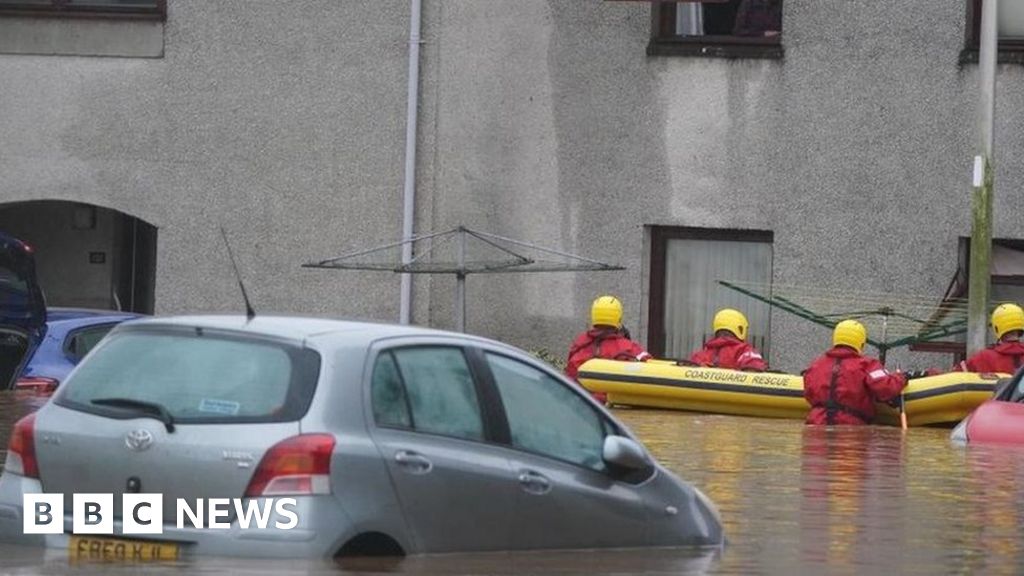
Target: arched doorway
[87, 256]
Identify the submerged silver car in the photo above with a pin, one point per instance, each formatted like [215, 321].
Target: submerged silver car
[391, 439]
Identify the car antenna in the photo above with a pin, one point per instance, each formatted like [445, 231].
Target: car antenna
[249, 312]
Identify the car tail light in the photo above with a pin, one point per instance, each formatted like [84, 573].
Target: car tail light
[295, 466]
[38, 385]
[21, 451]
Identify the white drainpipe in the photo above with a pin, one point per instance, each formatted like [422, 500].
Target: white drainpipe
[409, 193]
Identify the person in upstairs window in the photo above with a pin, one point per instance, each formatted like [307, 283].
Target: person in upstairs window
[842, 385]
[1006, 355]
[758, 18]
[606, 338]
[729, 349]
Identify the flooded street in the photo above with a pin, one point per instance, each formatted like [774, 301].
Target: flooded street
[793, 499]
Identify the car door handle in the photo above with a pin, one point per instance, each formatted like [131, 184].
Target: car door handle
[534, 483]
[413, 462]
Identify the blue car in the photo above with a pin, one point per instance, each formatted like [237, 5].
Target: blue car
[69, 335]
[40, 346]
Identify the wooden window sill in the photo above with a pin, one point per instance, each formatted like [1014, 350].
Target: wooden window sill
[1009, 53]
[730, 47]
[157, 13]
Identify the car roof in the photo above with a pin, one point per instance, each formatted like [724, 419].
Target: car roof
[58, 314]
[298, 327]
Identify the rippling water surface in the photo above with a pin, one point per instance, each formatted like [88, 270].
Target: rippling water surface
[794, 500]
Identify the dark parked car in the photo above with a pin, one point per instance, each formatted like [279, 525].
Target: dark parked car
[22, 308]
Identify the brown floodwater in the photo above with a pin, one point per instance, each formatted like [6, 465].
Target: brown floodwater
[793, 499]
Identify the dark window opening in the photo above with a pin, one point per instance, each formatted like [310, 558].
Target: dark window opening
[1011, 32]
[717, 28]
[148, 9]
[67, 237]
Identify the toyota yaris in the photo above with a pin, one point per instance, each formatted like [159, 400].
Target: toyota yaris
[391, 440]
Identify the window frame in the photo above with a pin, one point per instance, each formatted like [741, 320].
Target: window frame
[956, 348]
[610, 426]
[1009, 51]
[72, 334]
[495, 431]
[660, 235]
[495, 420]
[65, 9]
[307, 370]
[405, 393]
[665, 42]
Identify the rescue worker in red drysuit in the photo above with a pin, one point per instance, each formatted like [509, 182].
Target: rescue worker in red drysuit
[1007, 354]
[842, 386]
[729, 349]
[605, 339]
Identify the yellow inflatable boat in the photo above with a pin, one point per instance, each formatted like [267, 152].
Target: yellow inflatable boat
[942, 399]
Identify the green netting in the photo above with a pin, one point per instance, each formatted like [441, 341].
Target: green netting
[892, 320]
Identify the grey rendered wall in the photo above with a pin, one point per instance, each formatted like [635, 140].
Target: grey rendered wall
[543, 120]
[282, 121]
[553, 125]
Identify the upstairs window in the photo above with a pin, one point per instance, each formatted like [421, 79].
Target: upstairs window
[717, 28]
[149, 9]
[1011, 31]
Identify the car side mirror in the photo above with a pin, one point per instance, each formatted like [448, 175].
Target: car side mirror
[625, 453]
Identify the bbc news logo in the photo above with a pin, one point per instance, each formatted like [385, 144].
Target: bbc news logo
[144, 513]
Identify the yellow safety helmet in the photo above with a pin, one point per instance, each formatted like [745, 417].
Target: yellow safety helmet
[606, 311]
[732, 320]
[850, 333]
[1007, 318]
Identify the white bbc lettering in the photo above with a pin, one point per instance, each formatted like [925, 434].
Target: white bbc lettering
[252, 510]
[279, 506]
[43, 513]
[142, 514]
[93, 513]
[218, 508]
[195, 517]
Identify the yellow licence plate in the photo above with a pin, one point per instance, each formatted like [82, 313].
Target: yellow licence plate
[99, 548]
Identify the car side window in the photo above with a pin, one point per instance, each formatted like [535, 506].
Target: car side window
[437, 387]
[80, 342]
[390, 405]
[546, 417]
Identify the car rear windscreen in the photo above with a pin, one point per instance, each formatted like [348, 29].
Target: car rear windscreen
[197, 376]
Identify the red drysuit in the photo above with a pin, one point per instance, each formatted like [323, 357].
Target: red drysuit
[729, 352]
[842, 387]
[608, 343]
[1002, 357]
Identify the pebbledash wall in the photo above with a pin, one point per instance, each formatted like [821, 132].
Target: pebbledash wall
[543, 120]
